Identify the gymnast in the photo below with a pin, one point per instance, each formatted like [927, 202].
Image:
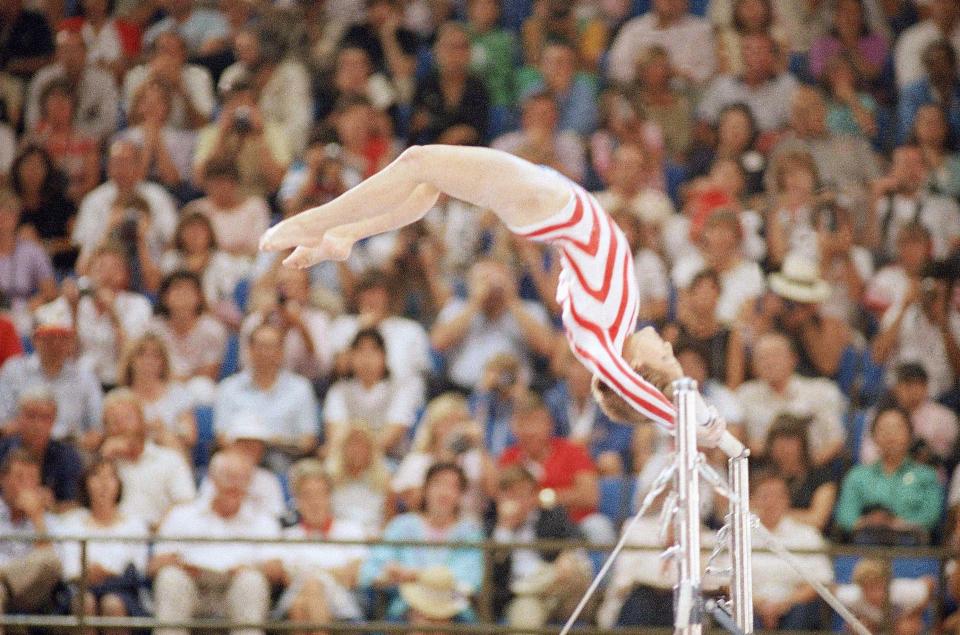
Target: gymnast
[597, 290]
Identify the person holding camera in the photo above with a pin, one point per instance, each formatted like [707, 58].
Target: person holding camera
[257, 146]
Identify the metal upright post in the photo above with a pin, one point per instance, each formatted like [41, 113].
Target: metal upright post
[741, 544]
[686, 604]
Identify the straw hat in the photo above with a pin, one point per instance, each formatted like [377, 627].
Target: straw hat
[434, 594]
[799, 280]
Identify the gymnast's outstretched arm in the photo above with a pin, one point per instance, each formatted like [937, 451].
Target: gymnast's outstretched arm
[519, 192]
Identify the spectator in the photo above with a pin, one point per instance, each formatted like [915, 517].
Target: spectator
[782, 599]
[850, 110]
[204, 31]
[567, 474]
[533, 588]
[320, 578]
[363, 133]
[248, 437]
[284, 96]
[492, 401]
[550, 20]
[361, 477]
[434, 598]
[492, 320]
[778, 389]
[630, 185]
[439, 119]
[231, 580]
[575, 93]
[60, 464]
[894, 495]
[654, 93]
[934, 425]
[30, 570]
[642, 224]
[579, 418]
[46, 212]
[111, 41]
[877, 599]
[845, 163]
[445, 433]
[747, 17]
[191, 85]
[931, 133]
[891, 285]
[439, 519]
[942, 23]
[136, 211]
[195, 249]
[736, 139]
[371, 397]
[941, 86]
[114, 569]
[27, 41]
[53, 365]
[238, 220]
[107, 313]
[622, 123]
[257, 146]
[288, 305]
[415, 272]
[925, 329]
[694, 365]
[813, 490]
[27, 271]
[353, 75]
[390, 46]
[541, 140]
[167, 150]
[720, 248]
[75, 153]
[167, 405]
[97, 102]
[195, 339]
[495, 51]
[852, 36]
[285, 400]
[671, 26]
[697, 327]
[762, 87]
[153, 478]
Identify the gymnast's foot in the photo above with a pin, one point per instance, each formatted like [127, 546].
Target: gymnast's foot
[306, 229]
[331, 247]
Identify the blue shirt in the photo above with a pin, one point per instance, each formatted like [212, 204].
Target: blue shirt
[577, 107]
[288, 408]
[61, 469]
[919, 93]
[201, 26]
[606, 435]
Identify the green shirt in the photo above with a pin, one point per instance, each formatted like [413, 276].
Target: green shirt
[912, 492]
[493, 58]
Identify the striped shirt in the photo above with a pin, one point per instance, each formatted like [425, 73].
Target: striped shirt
[599, 295]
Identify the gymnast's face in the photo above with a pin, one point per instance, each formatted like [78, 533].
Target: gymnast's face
[647, 349]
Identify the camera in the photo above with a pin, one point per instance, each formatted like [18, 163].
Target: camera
[460, 444]
[242, 120]
[128, 226]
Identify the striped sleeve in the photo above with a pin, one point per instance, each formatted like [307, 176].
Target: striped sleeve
[599, 295]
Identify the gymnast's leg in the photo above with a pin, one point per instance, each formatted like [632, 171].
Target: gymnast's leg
[520, 192]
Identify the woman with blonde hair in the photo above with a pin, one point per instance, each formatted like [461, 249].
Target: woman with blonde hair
[167, 405]
[447, 433]
[360, 477]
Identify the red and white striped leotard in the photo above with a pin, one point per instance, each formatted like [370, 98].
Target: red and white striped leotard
[598, 293]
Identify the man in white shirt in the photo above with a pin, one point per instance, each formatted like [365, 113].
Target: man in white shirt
[154, 478]
[97, 99]
[105, 208]
[492, 320]
[284, 400]
[781, 598]
[227, 579]
[778, 389]
[687, 38]
[943, 23]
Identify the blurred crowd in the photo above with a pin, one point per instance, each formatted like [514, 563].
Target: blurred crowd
[787, 174]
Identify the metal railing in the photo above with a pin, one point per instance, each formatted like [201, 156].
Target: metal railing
[78, 621]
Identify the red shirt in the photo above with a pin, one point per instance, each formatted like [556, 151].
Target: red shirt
[10, 345]
[558, 470]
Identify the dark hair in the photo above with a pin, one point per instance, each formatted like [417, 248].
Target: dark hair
[171, 279]
[514, 475]
[17, 455]
[911, 372]
[190, 218]
[743, 109]
[221, 167]
[738, 24]
[891, 408]
[864, 22]
[376, 336]
[55, 183]
[705, 274]
[789, 426]
[941, 45]
[347, 102]
[90, 472]
[437, 469]
[111, 7]
[763, 475]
